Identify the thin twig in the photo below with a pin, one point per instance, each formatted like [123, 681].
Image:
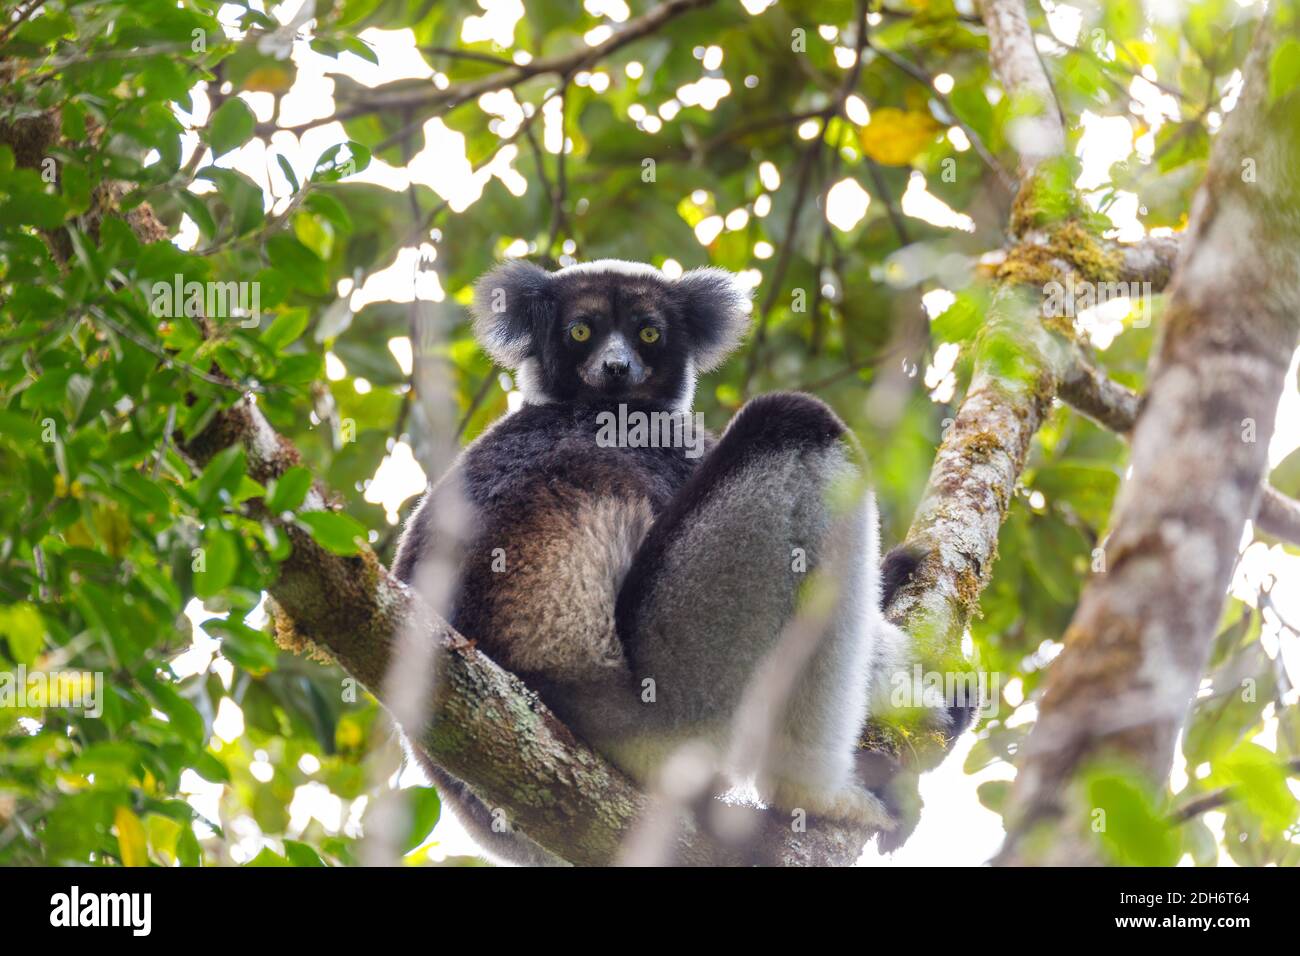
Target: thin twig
[166, 437]
[480, 393]
[895, 217]
[472, 55]
[803, 180]
[447, 99]
[559, 221]
[171, 361]
[20, 20]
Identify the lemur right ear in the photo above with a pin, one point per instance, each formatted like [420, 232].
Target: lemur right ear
[716, 308]
[511, 305]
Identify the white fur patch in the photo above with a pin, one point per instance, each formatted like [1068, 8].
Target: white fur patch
[686, 398]
[528, 379]
[620, 267]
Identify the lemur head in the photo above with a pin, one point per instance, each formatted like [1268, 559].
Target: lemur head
[608, 330]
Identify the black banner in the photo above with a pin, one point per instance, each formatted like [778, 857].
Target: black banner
[338, 907]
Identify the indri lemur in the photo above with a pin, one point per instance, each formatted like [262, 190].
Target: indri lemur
[618, 564]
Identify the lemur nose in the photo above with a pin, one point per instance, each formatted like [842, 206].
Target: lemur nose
[616, 369]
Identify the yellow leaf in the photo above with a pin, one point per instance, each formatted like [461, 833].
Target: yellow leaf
[268, 79]
[896, 137]
[163, 835]
[348, 734]
[114, 528]
[130, 838]
[78, 536]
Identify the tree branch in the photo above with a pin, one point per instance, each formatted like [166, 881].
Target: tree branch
[973, 479]
[1091, 392]
[1278, 516]
[1014, 58]
[1151, 259]
[1116, 407]
[1214, 799]
[417, 96]
[1136, 648]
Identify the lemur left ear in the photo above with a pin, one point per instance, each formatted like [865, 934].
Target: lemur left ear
[511, 305]
[716, 309]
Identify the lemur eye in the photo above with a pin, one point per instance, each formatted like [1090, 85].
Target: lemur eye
[580, 332]
[649, 335]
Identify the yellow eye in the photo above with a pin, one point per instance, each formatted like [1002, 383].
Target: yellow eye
[580, 332]
[649, 335]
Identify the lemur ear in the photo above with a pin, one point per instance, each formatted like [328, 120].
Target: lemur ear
[511, 305]
[716, 309]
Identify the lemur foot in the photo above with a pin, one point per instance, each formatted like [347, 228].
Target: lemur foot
[849, 804]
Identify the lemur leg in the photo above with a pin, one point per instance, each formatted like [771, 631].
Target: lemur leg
[718, 577]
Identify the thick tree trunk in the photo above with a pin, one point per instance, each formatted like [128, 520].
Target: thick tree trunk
[1136, 649]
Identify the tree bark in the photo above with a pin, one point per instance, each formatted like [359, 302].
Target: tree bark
[1136, 649]
[1013, 55]
[1116, 407]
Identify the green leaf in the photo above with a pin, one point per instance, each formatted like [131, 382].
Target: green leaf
[29, 204]
[300, 854]
[960, 321]
[425, 808]
[267, 857]
[1286, 476]
[151, 498]
[210, 768]
[21, 624]
[1128, 823]
[334, 164]
[302, 267]
[287, 168]
[1284, 70]
[286, 328]
[334, 531]
[1260, 778]
[231, 126]
[993, 794]
[1199, 841]
[181, 714]
[289, 490]
[220, 561]
[245, 646]
[221, 476]
[188, 851]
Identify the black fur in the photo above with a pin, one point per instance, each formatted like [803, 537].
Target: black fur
[526, 471]
[897, 569]
[528, 467]
[522, 312]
